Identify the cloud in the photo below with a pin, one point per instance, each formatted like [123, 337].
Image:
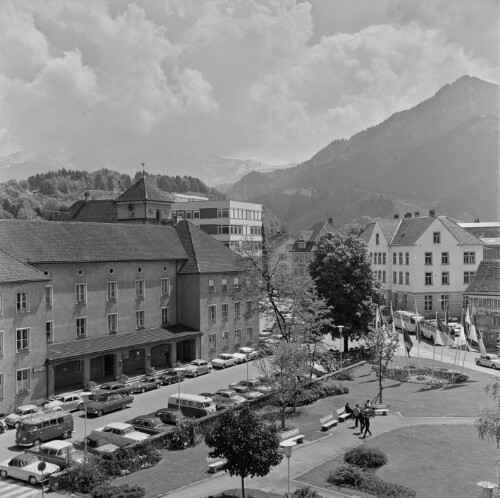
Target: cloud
[236, 78]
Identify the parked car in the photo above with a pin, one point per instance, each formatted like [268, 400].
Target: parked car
[251, 352]
[197, 367]
[14, 419]
[61, 453]
[256, 384]
[147, 383]
[68, 402]
[171, 376]
[115, 388]
[120, 433]
[104, 403]
[25, 467]
[223, 360]
[169, 416]
[488, 360]
[246, 392]
[149, 425]
[228, 398]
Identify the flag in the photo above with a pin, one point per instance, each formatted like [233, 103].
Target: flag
[417, 324]
[482, 349]
[378, 318]
[472, 327]
[407, 340]
[463, 324]
[442, 337]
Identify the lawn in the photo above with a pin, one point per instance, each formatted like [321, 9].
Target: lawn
[444, 461]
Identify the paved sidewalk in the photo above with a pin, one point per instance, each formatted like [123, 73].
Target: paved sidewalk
[309, 455]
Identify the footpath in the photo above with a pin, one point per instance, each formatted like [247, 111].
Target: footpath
[311, 454]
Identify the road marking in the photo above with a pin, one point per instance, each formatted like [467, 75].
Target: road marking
[17, 489]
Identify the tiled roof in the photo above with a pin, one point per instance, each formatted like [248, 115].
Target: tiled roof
[367, 232]
[205, 254]
[101, 211]
[103, 344]
[389, 228]
[487, 278]
[57, 242]
[410, 230]
[145, 189]
[462, 235]
[277, 239]
[13, 270]
[312, 236]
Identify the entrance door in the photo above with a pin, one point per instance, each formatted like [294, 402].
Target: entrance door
[109, 365]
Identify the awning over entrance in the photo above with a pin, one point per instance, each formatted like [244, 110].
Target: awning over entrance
[94, 345]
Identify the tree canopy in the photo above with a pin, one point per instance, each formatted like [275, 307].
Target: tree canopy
[488, 423]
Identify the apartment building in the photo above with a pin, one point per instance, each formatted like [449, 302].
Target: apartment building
[489, 233]
[117, 298]
[423, 262]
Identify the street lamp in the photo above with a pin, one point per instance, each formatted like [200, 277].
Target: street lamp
[288, 453]
[180, 372]
[247, 354]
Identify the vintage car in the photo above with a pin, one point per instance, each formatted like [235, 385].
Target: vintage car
[149, 424]
[197, 367]
[171, 376]
[25, 467]
[223, 360]
[168, 415]
[147, 383]
[115, 388]
[119, 433]
[61, 453]
[104, 403]
[488, 360]
[245, 391]
[68, 402]
[228, 398]
[256, 385]
[14, 419]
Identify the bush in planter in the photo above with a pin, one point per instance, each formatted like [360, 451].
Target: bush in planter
[125, 491]
[306, 397]
[344, 375]
[303, 492]
[366, 457]
[183, 435]
[332, 389]
[347, 476]
[128, 460]
[82, 477]
[378, 487]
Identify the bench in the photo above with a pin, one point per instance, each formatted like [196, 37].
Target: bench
[327, 421]
[215, 464]
[343, 415]
[380, 409]
[292, 435]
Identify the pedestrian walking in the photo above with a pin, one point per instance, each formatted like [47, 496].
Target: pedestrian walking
[361, 420]
[355, 414]
[367, 426]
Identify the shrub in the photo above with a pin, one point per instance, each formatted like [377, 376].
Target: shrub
[306, 397]
[303, 492]
[332, 389]
[346, 476]
[183, 435]
[366, 457]
[82, 477]
[128, 460]
[125, 491]
[378, 487]
[344, 375]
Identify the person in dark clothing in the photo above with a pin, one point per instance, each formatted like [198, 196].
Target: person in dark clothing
[361, 420]
[367, 426]
[355, 414]
[348, 409]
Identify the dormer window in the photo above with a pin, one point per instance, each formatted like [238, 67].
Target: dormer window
[301, 245]
[377, 238]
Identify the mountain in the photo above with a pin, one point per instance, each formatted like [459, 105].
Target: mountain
[442, 154]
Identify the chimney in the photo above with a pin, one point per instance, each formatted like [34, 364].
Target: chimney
[86, 195]
[408, 215]
[432, 213]
[330, 220]
[396, 216]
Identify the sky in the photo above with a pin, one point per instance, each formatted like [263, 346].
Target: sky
[271, 80]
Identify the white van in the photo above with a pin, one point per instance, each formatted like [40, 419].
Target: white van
[192, 405]
[409, 320]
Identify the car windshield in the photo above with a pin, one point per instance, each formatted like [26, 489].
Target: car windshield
[194, 363]
[30, 459]
[206, 404]
[59, 398]
[19, 411]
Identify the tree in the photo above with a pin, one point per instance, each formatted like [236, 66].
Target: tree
[382, 340]
[249, 445]
[488, 423]
[344, 277]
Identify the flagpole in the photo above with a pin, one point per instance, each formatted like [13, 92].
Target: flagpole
[417, 325]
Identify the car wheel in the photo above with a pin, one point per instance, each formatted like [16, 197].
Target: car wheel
[32, 480]
[158, 386]
[100, 413]
[478, 363]
[16, 425]
[2, 429]
[81, 407]
[143, 390]
[195, 374]
[37, 442]
[224, 365]
[4, 474]
[494, 367]
[123, 406]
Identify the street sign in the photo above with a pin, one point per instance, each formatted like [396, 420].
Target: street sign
[42, 466]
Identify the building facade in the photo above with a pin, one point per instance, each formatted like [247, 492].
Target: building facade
[423, 263]
[489, 233]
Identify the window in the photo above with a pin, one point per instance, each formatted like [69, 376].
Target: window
[81, 327]
[237, 309]
[469, 258]
[465, 302]
[212, 313]
[165, 287]
[222, 229]
[394, 258]
[237, 337]
[400, 258]
[165, 316]
[139, 289]
[495, 322]
[81, 293]
[249, 307]
[407, 258]
[249, 334]
[22, 380]
[445, 258]
[428, 302]
[49, 331]
[223, 213]
[436, 237]
[428, 279]
[224, 311]
[22, 302]
[400, 278]
[225, 339]
[394, 277]
[377, 239]
[445, 302]
[49, 296]
[428, 258]
[1, 342]
[139, 319]
[469, 276]
[236, 283]
[2, 383]
[211, 285]
[111, 291]
[384, 277]
[112, 323]
[224, 285]
[384, 261]
[445, 278]
[22, 339]
[196, 214]
[407, 278]
[212, 341]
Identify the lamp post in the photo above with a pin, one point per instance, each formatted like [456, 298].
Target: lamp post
[247, 354]
[288, 453]
[180, 372]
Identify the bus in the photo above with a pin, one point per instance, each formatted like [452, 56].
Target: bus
[409, 320]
